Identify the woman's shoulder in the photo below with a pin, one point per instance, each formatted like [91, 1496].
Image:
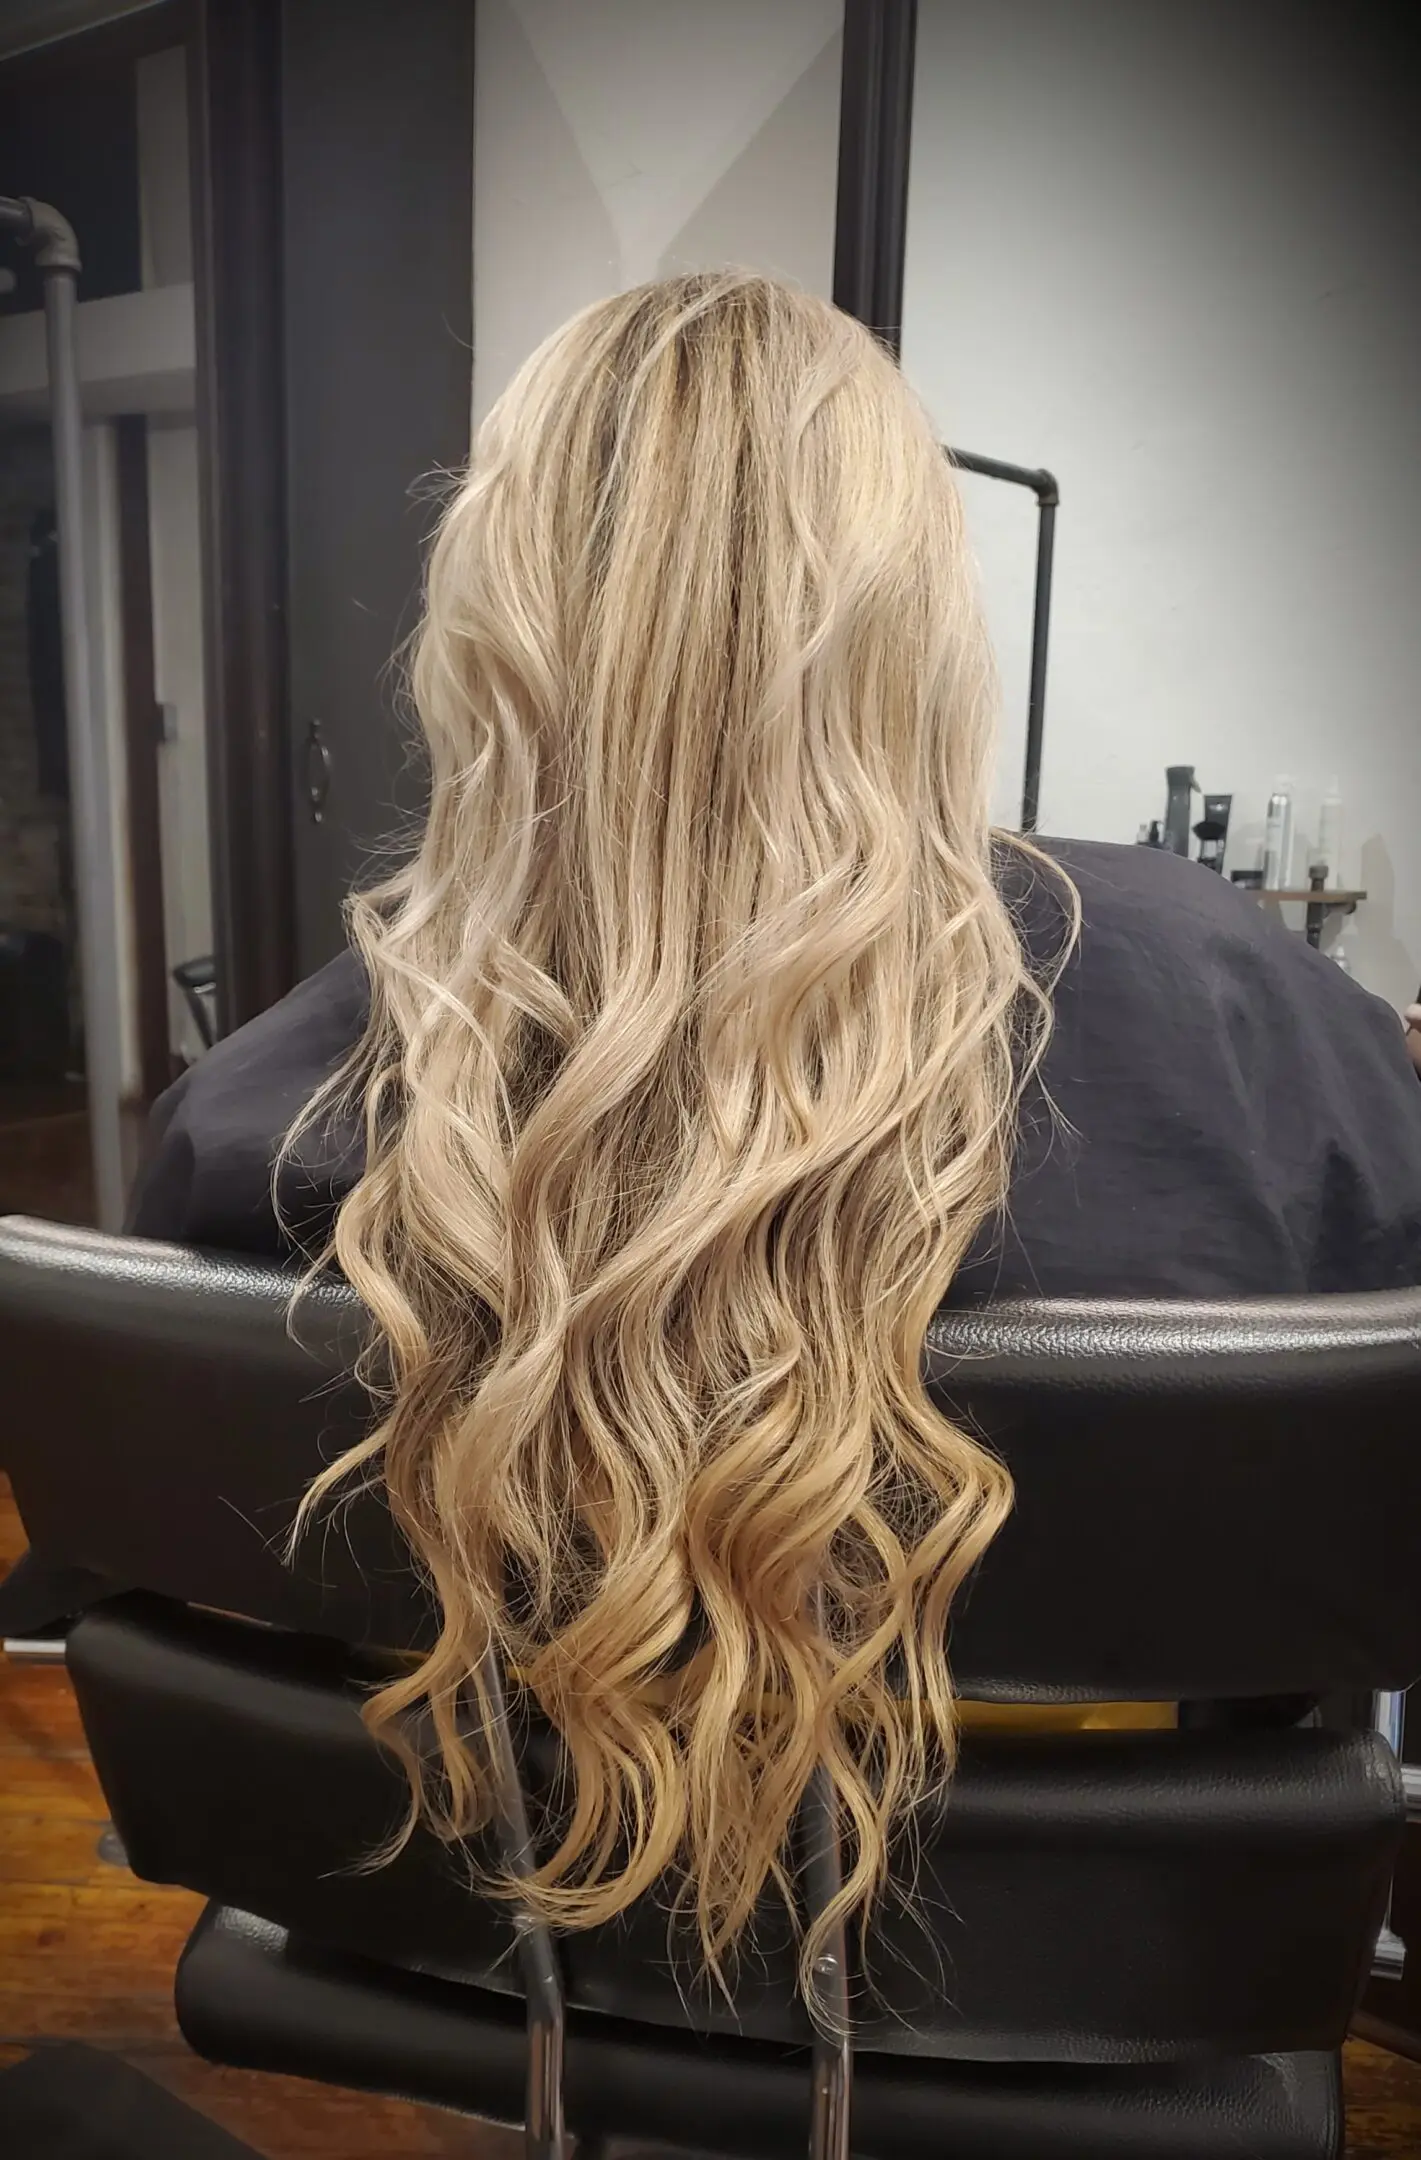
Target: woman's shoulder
[1168, 927]
[1163, 938]
[301, 1038]
[1141, 891]
[1209, 1062]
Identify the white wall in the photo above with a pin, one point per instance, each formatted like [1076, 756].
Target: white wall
[631, 138]
[1171, 254]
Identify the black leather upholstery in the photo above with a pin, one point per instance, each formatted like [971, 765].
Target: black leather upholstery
[247, 1993]
[1141, 1436]
[173, 1373]
[1142, 1943]
[1212, 1499]
[1110, 1897]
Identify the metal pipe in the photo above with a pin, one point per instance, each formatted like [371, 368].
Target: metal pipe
[35, 1649]
[1389, 1719]
[543, 2126]
[831, 2065]
[56, 254]
[822, 1876]
[1048, 495]
[1042, 483]
[1036, 693]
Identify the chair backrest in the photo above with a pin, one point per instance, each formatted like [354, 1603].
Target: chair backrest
[1212, 1501]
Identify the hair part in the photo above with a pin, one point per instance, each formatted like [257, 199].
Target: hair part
[697, 1032]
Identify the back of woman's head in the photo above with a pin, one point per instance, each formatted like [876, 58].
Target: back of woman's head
[697, 1028]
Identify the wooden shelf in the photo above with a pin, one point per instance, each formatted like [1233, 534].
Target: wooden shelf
[1330, 896]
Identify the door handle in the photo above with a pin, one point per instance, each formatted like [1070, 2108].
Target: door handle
[318, 772]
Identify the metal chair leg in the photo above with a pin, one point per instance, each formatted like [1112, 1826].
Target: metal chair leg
[1389, 1957]
[34, 1650]
[544, 2133]
[831, 2068]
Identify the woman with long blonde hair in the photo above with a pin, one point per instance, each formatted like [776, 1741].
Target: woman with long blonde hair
[692, 1046]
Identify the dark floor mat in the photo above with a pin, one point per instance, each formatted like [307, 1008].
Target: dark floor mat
[72, 2103]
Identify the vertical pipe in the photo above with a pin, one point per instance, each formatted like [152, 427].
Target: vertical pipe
[1389, 1956]
[822, 1878]
[544, 2135]
[1040, 638]
[90, 780]
[831, 2062]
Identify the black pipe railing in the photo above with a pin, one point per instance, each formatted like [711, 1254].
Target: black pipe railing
[1048, 496]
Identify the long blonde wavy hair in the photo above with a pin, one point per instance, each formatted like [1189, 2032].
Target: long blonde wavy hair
[697, 1030]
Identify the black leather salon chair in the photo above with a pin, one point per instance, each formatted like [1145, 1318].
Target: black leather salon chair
[1121, 1944]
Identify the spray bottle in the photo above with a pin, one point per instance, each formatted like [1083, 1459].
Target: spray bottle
[1278, 838]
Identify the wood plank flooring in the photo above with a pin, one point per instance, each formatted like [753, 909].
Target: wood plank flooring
[87, 1953]
[44, 1153]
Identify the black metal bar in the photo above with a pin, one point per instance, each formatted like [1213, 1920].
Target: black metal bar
[875, 134]
[542, 1980]
[234, 92]
[1036, 693]
[197, 980]
[1042, 484]
[1389, 1719]
[1048, 496]
[140, 707]
[822, 1874]
[831, 2068]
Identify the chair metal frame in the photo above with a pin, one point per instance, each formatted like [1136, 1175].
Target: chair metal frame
[831, 2062]
[544, 2133]
[1389, 1719]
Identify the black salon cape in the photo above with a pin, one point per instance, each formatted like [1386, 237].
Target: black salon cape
[1221, 1111]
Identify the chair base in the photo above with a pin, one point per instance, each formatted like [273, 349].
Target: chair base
[250, 1995]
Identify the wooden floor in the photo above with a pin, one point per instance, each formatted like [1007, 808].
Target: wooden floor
[44, 1153]
[87, 1953]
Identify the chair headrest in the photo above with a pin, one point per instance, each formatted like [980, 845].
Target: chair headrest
[1212, 1498]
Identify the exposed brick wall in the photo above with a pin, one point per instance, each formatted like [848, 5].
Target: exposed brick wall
[30, 824]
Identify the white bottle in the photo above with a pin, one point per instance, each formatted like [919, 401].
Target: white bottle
[1278, 838]
[1329, 834]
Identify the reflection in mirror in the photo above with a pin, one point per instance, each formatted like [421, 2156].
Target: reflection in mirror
[1173, 258]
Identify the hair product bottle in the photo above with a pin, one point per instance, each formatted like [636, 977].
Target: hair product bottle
[1278, 838]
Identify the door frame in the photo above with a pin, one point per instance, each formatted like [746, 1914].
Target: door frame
[234, 121]
[875, 148]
